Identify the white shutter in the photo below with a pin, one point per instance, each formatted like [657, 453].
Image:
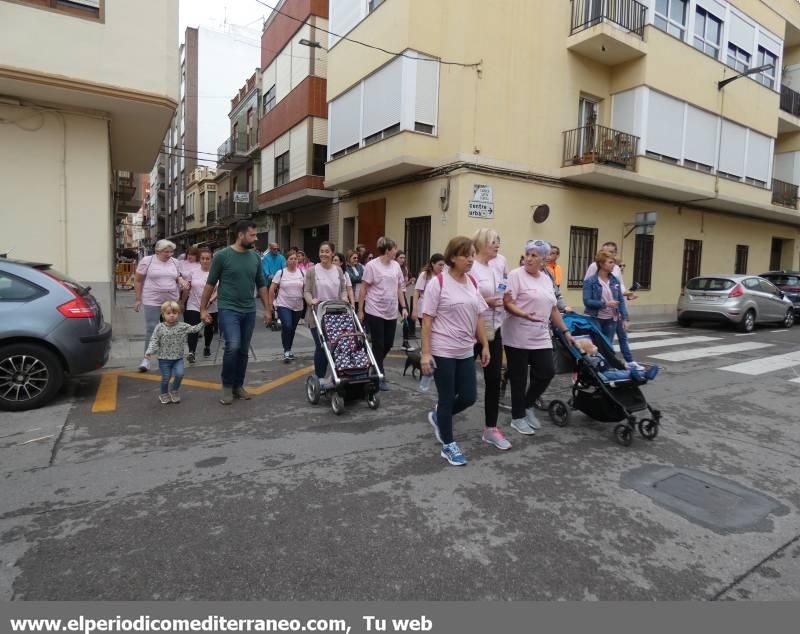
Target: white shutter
[382, 99]
[320, 131]
[759, 151]
[282, 144]
[713, 7]
[344, 15]
[427, 91]
[787, 167]
[345, 120]
[770, 43]
[283, 80]
[742, 34]
[268, 168]
[269, 77]
[731, 158]
[301, 56]
[623, 113]
[664, 125]
[701, 136]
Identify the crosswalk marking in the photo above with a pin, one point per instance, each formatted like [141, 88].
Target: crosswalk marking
[663, 343]
[652, 333]
[713, 351]
[765, 364]
[797, 380]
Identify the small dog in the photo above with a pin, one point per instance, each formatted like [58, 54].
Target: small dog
[413, 361]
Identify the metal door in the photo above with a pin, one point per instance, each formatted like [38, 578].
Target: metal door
[417, 243]
[692, 257]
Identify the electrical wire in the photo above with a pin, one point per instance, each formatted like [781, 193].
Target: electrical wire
[372, 46]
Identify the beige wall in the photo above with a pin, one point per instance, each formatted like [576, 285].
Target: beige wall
[36, 222]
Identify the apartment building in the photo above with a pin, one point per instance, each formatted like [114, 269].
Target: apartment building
[201, 208]
[156, 208]
[211, 65]
[83, 113]
[578, 122]
[294, 207]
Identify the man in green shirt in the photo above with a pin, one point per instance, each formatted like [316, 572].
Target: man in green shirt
[238, 270]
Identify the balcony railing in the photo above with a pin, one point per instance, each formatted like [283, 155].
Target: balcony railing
[790, 101]
[598, 144]
[784, 194]
[240, 144]
[629, 14]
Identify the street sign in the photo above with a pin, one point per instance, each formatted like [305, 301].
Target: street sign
[241, 197]
[482, 203]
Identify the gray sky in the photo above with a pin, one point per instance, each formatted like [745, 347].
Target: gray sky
[214, 13]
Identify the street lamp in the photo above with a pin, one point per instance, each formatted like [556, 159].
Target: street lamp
[310, 43]
[751, 71]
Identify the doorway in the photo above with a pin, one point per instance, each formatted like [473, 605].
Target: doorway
[312, 238]
[692, 256]
[775, 254]
[417, 243]
[588, 114]
[371, 223]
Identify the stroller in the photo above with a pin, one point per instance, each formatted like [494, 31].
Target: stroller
[611, 395]
[353, 366]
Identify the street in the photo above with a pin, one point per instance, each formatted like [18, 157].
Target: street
[276, 499]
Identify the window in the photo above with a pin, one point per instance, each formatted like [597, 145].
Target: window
[763, 57]
[319, 157]
[662, 157]
[643, 260]
[383, 134]
[737, 58]
[707, 31]
[201, 211]
[582, 249]
[282, 169]
[374, 4]
[423, 127]
[90, 9]
[671, 16]
[14, 289]
[269, 99]
[740, 268]
[700, 167]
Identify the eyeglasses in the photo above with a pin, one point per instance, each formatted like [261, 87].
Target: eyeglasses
[536, 244]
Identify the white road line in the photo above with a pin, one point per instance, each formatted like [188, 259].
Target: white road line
[797, 380]
[655, 333]
[781, 330]
[713, 351]
[745, 334]
[663, 343]
[765, 364]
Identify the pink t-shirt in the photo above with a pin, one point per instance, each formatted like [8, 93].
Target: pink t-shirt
[488, 280]
[327, 281]
[455, 308]
[532, 295]
[499, 264]
[161, 280]
[198, 282]
[606, 313]
[290, 294]
[422, 283]
[187, 268]
[383, 280]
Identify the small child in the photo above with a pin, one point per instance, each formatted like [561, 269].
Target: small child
[599, 363]
[169, 343]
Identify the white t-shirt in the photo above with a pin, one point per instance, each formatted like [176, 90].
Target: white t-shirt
[455, 308]
[532, 294]
[290, 293]
[489, 280]
[384, 281]
[198, 281]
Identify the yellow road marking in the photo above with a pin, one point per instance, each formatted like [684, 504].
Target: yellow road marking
[106, 399]
[262, 389]
[208, 385]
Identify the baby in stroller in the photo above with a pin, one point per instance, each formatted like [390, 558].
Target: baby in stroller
[599, 363]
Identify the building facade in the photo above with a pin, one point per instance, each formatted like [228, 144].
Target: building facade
[295, 208]
[74, 126]
[578, 122]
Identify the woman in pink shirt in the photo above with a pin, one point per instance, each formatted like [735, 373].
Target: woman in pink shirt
[192, 314]
[289, 303]
[381, 292]
[431, 270]
[530, 304]
[451, 322]
[158, 280]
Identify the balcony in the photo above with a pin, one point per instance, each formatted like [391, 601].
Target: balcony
[784, 194]
[608, 31]
[229, 211]
[601, 145]
[789, 114]
[301, 192]
[235, 151]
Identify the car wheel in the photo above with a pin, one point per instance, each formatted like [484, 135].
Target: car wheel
[684, 323]
[788, 320]
[748, 321]
[30, 376]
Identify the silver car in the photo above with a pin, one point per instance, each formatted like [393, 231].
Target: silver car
[50, 326]
[743, 300]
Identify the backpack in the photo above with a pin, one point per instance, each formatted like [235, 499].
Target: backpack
[441, 280]
[283, 268]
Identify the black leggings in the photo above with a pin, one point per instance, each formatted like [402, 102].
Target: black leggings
[492, 375]
[382, 333]
[541, 373]
[192, 317]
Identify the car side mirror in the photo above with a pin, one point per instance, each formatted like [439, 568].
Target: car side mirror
[782, 294]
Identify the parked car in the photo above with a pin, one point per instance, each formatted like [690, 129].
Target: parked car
[743, 300]
[789, 283]
[50, 327]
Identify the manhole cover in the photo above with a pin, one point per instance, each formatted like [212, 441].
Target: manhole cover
[716, 503]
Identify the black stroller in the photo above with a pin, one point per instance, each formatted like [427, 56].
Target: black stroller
[610, 395]
[354, 370]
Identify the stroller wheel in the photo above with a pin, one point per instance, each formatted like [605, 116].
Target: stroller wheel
[623, 435]
[337, 404]
[559, 413]
[313, 389]
[374, 400]
[648, 429]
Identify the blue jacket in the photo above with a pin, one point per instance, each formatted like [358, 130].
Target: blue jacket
[271, 264]
[593, 296]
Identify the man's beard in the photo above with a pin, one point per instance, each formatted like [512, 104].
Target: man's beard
[249, 245]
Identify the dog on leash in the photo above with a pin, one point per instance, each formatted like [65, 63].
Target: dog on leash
[413, 361]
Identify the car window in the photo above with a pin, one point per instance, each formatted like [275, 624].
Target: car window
[68, 281]
[710, 284]
[768, 287]
[783, 280]
[15, 289]
[752, 283]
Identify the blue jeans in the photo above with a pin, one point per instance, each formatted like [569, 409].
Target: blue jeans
[289, 320]
[320, 360]
[611, 327]
[457, 387]
[170, 368]
[237, 330]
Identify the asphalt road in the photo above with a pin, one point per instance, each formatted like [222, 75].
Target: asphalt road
[277, 499]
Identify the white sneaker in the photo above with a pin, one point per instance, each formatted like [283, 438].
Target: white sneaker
[287, 357]
[144, 366]
[632, 365]
[530, 415]
[523, 426]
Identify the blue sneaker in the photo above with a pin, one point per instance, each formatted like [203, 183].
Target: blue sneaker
[435, 424]
[453, 455]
